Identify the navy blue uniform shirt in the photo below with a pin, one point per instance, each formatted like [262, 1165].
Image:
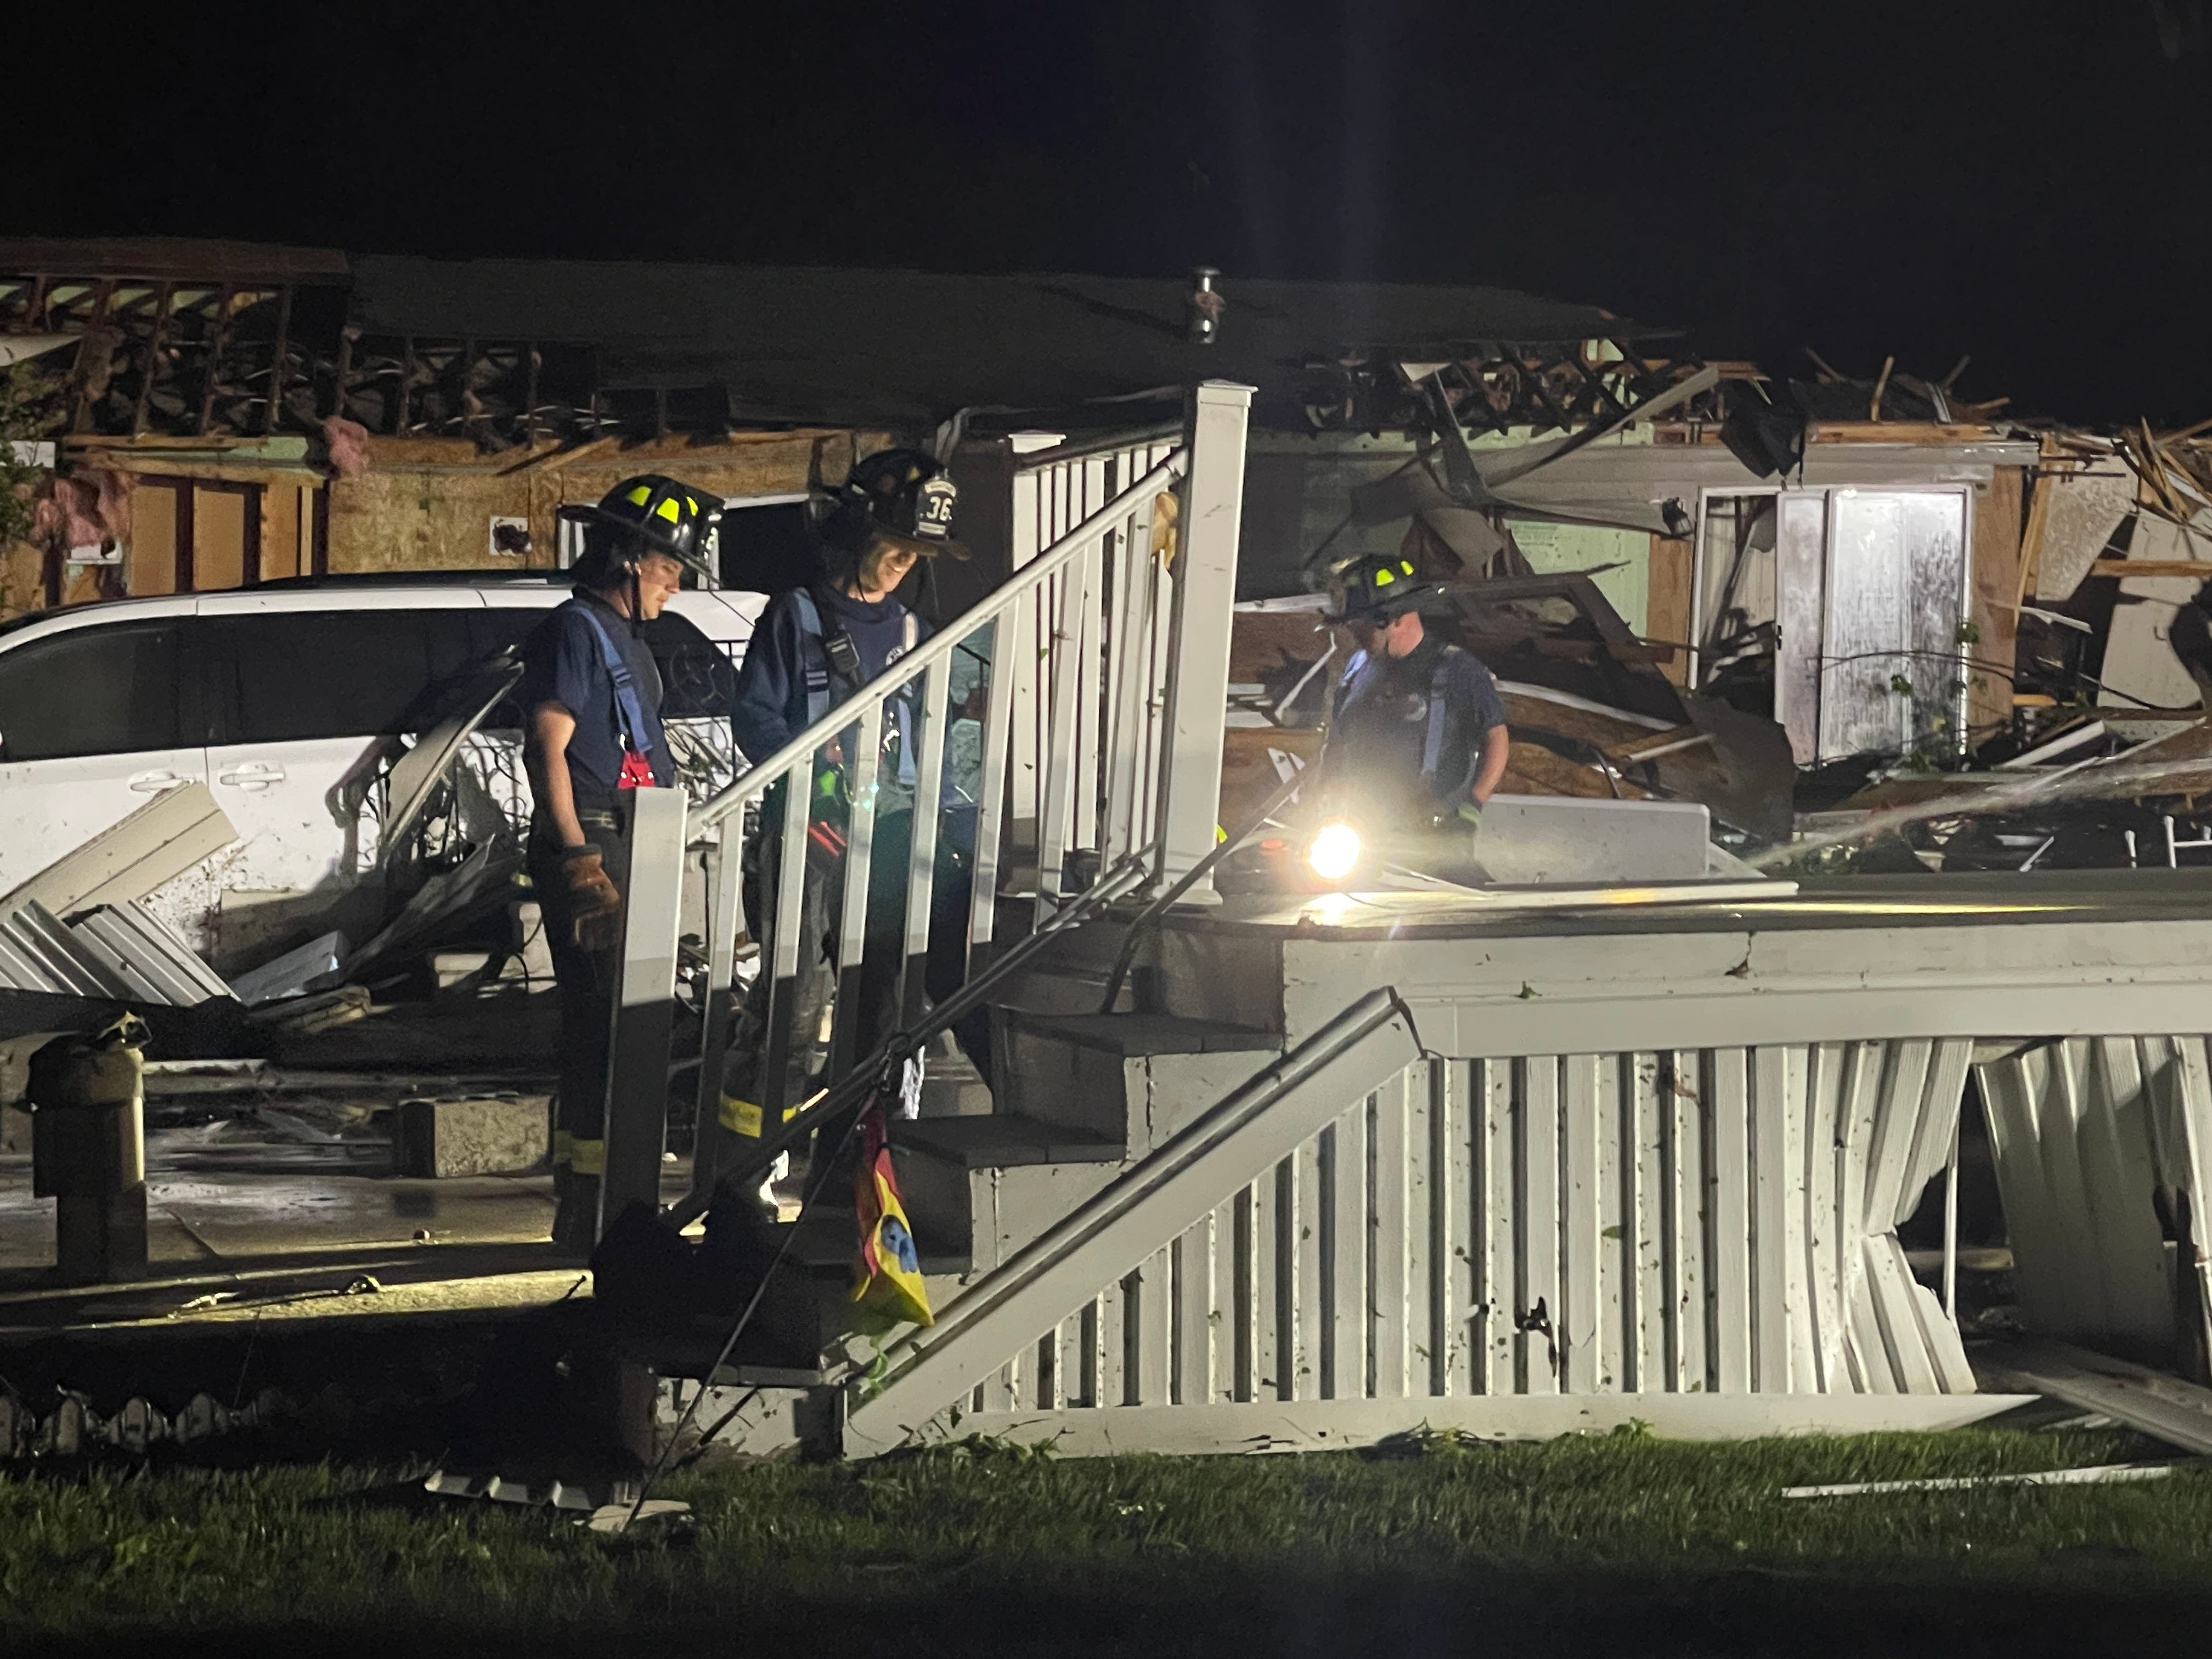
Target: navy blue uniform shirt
[564, 663]
[781, 660]
[1380, 733]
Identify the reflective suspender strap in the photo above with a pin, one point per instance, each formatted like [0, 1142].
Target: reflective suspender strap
[640, 729]
[1432, 749]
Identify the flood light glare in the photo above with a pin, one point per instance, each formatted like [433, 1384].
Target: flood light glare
[1335, 852]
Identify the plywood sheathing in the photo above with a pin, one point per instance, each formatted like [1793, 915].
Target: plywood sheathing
[1994, 563]
[2090, 494]
[1666, 606]
[2141, 667]
[427, 503]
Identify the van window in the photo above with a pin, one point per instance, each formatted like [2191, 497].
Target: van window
[294, 675]
[696, 678]
[106, 689]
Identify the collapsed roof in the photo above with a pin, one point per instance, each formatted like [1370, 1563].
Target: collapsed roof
[797, 342]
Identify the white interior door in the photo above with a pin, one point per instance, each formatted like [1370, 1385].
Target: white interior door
[1890, 673]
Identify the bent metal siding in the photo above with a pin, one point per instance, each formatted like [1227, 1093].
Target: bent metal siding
[1700, 1239]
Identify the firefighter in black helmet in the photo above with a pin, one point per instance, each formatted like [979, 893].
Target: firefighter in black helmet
[591, 694]
[814, 647]
[1418, 735]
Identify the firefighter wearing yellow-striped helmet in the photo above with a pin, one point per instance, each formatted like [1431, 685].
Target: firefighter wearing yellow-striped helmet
[641, 516]
[1378, 586]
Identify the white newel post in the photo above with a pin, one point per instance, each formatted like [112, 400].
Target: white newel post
[1198, 664]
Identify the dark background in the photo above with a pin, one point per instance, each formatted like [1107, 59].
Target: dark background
[2025, 182]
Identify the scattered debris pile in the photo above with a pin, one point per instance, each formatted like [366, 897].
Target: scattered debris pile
[73, 1428]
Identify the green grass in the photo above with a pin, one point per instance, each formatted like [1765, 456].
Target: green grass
[1630, 1544]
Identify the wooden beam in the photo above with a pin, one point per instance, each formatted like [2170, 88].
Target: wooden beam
[2198, 567]
[218, 337]
[406, 390]
[529, 397]
[1994, 574]
[343, 371]
[90, 351]
[590, 449]
[274, 411]
[163, 303]
[187, 576]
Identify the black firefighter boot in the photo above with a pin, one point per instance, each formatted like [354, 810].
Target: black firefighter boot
[575, 1210]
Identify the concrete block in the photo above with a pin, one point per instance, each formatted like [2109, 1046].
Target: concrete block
[496, 1134]
[14, 1131]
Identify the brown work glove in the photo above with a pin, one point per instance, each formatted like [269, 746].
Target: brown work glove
[594, 906]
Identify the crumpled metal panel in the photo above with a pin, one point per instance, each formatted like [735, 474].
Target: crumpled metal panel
[2103, 1148]
[121, 953]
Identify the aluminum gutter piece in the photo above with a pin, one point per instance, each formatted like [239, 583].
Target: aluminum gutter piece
[2152, 1402]
[2098, 1474]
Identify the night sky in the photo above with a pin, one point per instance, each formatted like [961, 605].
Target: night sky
[2027, 183]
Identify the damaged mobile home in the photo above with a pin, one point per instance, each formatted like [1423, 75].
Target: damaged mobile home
[1646, 1127]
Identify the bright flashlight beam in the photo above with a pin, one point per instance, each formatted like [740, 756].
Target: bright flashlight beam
[1335, 852]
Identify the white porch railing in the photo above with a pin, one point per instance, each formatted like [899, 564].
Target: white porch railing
[1086, 740]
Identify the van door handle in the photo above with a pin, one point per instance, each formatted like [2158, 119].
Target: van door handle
[150, 783]
[254, 774]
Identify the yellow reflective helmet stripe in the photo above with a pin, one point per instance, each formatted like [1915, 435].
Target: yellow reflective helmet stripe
[1384, 578]
[638, 497]
[668, 509]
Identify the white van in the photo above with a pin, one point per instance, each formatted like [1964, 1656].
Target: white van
[276, 698]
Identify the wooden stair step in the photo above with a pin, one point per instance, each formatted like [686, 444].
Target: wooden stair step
[1003, 1140]
[1140, 1033]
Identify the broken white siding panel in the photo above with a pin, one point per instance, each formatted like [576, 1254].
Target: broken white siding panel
[1355, 1232]
[2092, 1139]
[153, 951]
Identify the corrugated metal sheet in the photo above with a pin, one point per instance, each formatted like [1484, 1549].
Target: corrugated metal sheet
[121, 953]
[1706, 1221]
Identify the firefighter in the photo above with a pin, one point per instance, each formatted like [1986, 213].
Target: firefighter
[814, 647]
[591, 696]
[1419, 733]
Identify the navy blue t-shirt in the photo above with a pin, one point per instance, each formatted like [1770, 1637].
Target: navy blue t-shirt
[782, 660]
[564, 662]
[1380, 734]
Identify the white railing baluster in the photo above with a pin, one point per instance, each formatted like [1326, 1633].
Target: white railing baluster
[1009, 638]
[921, 875]
[725, 891]
[864, 763]
[1064, 660]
